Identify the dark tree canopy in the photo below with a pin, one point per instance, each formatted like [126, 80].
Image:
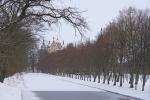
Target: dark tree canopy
[36, 12]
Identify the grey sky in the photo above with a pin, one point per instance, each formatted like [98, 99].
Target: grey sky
[99, 14]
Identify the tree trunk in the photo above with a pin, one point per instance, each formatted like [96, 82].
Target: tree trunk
[131, 80]
[136, 80]
[121, 75]
[109, 76]
[99, 78]
[144, 80]
[2, 75]
[115, 79]
[95, 76]
[104, 78]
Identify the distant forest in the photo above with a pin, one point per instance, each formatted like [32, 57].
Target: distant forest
[121, 49]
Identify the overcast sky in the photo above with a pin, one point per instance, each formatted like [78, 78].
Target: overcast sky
[98, 14]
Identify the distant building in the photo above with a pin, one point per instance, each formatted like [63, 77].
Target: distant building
[43, 46]
[54, 46]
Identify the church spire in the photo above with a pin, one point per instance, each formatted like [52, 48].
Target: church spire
[43, 45]
[43, 41]
[53, 39]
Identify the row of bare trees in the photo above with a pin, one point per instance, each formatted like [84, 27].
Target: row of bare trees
[121, 51]
[20, 23]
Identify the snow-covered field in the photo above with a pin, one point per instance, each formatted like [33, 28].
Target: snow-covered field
[15, 87]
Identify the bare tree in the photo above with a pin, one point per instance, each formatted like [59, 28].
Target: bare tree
[21, 19]
[39, 11]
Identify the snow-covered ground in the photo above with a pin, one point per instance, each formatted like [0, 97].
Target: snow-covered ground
[124, 90]
[20, 86]
[9, 93]
[45, 82]
[15, 87]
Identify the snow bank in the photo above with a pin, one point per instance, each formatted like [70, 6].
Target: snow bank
[9, 93]
[17, 82]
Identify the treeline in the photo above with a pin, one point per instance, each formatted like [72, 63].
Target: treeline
[15, 45]
[122, 49]
[21, 21]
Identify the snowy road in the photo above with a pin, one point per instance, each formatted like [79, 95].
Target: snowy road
[80, 95]
[39, 86]
[48, 87]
